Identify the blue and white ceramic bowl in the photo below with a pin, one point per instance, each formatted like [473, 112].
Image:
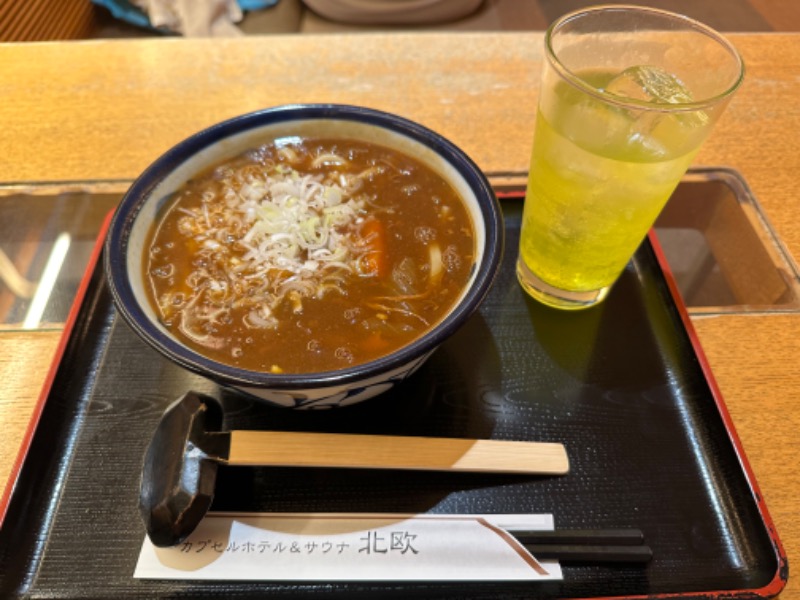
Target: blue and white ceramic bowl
[125, 245]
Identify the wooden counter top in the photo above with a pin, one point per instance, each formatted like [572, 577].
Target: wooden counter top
[106, 109]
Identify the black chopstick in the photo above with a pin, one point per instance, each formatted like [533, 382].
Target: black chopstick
[594, 554]
[611, 537]
[587, 545]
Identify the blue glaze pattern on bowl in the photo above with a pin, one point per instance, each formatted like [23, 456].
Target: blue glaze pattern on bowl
[125, 245]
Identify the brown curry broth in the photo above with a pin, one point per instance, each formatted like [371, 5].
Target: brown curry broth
[338, 330]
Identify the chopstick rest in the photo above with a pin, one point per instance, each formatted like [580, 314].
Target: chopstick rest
[180, 466]
[585, 545]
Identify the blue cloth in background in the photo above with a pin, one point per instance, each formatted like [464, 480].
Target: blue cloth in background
[130, 13]
[125, 11]
[256, 4]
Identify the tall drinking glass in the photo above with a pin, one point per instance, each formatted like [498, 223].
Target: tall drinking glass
[628, 95]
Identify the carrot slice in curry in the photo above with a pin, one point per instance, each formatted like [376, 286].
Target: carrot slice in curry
[373, 235]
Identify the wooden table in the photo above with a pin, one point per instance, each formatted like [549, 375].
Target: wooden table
[105, 109]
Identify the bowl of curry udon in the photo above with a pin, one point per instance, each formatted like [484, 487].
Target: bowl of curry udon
[310, 255]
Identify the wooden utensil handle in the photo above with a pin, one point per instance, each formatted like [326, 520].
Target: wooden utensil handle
[275, 448]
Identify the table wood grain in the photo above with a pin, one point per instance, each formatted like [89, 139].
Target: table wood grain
[105, 109]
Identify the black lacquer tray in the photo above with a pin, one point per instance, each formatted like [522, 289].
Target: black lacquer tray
[623, 385]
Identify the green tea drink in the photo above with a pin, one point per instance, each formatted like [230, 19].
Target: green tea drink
[598, 180]
[628, 95]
